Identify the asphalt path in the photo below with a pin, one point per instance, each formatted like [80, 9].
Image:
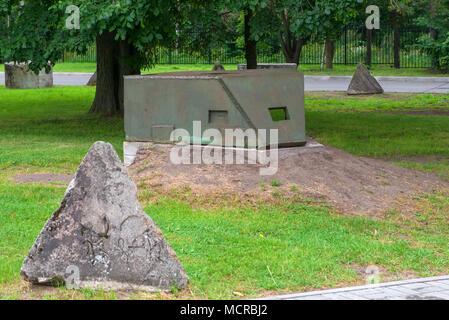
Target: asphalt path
[312, 83]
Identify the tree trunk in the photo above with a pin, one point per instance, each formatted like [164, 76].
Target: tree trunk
[126, 68]
[434, 34]
[291, 46]
[397, 46]
[113, 62]
[250, 45]
[106, 95]
[330, 52]
[369, 35]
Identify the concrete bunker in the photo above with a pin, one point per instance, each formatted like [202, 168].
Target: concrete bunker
[157, 104]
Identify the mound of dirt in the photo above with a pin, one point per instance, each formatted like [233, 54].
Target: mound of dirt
[351, 184]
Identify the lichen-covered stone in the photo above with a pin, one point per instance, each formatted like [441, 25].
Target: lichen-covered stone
[101, 231]
[19, 76]
[363, 82]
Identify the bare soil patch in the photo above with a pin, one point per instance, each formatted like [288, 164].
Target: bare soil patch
[43, 178]
[350, 184]
[421, 159]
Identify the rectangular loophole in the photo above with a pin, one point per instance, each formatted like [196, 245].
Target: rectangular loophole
[279, 114]
[218, 116]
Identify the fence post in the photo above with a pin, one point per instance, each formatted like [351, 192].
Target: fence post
[396, 46]
[346, 44]
[369, 36]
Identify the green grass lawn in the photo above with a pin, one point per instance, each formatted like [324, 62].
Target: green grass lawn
[376, 70]
[339, 70]
[88, 67]
[290, 246]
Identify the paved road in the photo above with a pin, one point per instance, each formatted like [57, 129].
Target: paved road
[390, 84]
[436, 288]
[312, 83]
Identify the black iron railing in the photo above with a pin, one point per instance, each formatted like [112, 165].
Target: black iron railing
[350, 48]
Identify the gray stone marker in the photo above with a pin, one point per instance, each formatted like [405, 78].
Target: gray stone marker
[93, 80]
[363, 82]
[18, 76]
[100, 237]
[218, 67]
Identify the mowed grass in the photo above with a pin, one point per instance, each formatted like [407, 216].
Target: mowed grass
[293, 245]
[90, 67]
[378, 70]
[386, 126]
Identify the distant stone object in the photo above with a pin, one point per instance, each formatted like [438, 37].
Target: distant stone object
[363, 82]
[18, 76]
[100, 237]
[218, 67]
[270, 66]
[93, 80]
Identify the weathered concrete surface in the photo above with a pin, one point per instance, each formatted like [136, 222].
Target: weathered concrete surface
[157, 104]
[92, 81]
[101, 230]
[18, 76]
[270, 66]
[363, 82]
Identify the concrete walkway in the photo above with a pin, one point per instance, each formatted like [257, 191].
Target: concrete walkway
[436, 288]
[312, 83]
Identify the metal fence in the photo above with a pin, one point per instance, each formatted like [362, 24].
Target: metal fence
[350, 48]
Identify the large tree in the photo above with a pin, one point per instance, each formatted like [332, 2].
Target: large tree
[433, 14]
[251, 11]
[125, 33]
[297, 22]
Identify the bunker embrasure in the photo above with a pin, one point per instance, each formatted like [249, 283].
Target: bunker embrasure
[157, 104]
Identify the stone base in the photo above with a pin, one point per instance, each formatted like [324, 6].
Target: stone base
[270, 66]
[18, 76]
[131, 149]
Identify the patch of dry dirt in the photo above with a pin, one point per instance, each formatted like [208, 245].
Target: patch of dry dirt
[351, 184]
[43, 178]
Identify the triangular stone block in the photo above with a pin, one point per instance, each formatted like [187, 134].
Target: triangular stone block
[93, 80]
[100, 237]
[218, 66]
[363, 82]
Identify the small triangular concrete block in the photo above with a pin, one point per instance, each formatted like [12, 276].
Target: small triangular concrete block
[218, 66]
[93, 80]
[363, 82]
[100, 237]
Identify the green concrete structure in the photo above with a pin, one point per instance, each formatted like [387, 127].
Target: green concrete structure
[157, 104]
